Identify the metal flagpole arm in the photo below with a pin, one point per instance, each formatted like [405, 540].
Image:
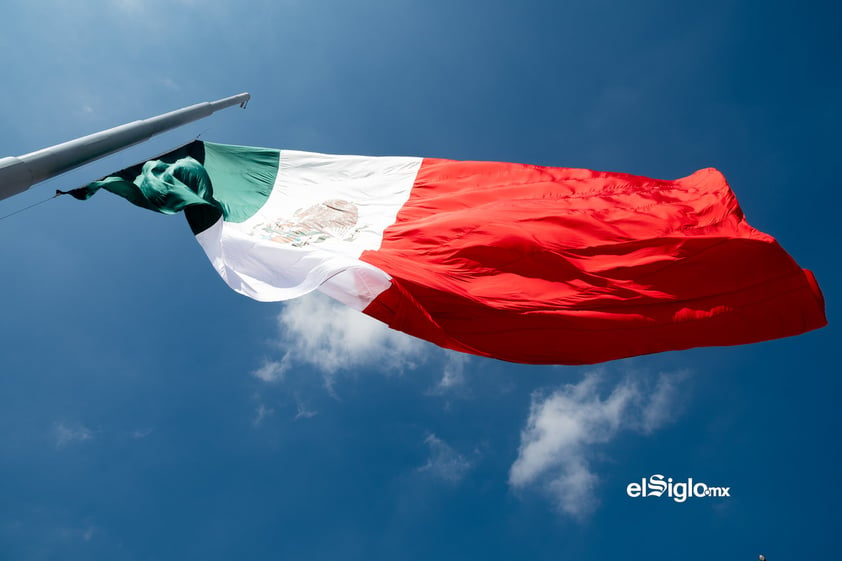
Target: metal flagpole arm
[18, 173]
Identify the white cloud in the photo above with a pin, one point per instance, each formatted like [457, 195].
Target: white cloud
[320, 332]
[333, 336]
[261, 413]
[444, 462]
[303, 412]
[271, 371]
[563, 429]
[66, 434]
[453, 375]
[664, 402]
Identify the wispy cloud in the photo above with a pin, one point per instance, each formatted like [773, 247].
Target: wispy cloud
[65, 434]
[303, 412]
[319, 332]
[271, 371]
[453, 374]
[444, 462]
[335, 337]
[169, 83]
[140, 434]
[84, 532]
[565, 427]
[261, 413]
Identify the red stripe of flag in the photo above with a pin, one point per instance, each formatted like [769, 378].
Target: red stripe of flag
[568, 266]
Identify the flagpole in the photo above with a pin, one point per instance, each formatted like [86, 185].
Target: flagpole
[19, 173]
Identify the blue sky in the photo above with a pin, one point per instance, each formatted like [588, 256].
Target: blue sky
[148, 412]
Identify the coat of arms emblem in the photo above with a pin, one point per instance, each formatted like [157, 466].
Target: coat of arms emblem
[331, 219]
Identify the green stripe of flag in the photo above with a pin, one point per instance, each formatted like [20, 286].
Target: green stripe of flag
[204, 179]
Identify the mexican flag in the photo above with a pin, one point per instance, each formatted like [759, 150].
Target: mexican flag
[522, 263]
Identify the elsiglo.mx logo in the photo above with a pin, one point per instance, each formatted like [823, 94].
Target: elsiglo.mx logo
[657, 486]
